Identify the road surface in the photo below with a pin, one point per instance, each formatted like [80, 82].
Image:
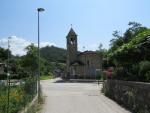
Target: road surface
[76, 97]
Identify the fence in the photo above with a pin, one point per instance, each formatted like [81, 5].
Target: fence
[16, 93]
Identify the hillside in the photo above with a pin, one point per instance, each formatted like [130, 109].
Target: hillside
[53, 54]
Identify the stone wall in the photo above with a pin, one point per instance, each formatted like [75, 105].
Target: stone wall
[92, 61]
[133, 95]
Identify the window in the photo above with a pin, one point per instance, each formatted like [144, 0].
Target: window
[72, 41]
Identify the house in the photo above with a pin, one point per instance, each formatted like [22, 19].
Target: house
[2, 68]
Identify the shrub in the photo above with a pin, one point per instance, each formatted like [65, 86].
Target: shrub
[104, 77]
[3, 98]
[144, 70]
[135, 69]
[147, 75]
[119, 73]
[3, 76]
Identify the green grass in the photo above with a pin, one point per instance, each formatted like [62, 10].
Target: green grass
[19, 96]
[37, 106]
[44, 77]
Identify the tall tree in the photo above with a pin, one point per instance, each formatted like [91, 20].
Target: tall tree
[133, 30]
[117, 41]
[30, 60]
[4, 54]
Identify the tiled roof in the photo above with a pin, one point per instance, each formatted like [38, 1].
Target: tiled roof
[87, 52]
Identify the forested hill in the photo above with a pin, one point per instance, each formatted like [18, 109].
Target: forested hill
[53, 54]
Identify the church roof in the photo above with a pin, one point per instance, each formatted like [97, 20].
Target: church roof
[72, 32]
[87, 52]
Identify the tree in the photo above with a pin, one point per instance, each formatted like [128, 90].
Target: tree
[133, 30]
[100, 47]
[30, 60]
[134, 26]
[127, 51]
[116, 34]
[101, 50]
[4, 54]
[117, 41]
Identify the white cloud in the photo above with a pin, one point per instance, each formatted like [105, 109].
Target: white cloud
[18, 44]
[44, 44]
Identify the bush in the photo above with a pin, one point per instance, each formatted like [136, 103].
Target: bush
[135, 69]
[3, 98]
[133, 72]
[3, 76]
[147, 75]
[104, 76]
[144, 70]
[119, 73]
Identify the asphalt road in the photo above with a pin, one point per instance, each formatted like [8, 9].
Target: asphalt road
[76, 97]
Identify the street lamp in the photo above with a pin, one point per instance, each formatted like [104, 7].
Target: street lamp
[38, 77]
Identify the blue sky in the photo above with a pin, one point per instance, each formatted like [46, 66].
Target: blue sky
[93, 20]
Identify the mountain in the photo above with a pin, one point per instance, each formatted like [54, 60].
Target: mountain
[53, 54]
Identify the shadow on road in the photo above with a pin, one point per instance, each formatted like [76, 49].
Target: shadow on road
[78, 81]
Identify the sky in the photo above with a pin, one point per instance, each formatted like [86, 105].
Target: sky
[93, 20]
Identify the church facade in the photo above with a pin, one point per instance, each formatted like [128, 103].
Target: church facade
[87, 64]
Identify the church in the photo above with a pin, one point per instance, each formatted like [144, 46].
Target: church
[86, 65]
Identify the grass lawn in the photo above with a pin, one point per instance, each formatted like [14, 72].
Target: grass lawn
[44, 77]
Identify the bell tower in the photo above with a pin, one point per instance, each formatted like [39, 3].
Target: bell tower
[71, 48]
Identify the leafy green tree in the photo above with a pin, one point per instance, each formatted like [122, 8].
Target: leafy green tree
[117, 41]
[4, 54]
[133, 30]
[128, 51]
[30, 60]
[101, 50]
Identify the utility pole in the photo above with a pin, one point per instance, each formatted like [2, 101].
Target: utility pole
[8, 74]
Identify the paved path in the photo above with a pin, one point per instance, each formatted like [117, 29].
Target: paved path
[76, 97]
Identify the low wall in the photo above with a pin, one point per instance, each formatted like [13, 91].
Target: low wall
[133, 95]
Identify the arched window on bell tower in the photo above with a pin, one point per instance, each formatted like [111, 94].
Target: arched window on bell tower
[72, 41]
